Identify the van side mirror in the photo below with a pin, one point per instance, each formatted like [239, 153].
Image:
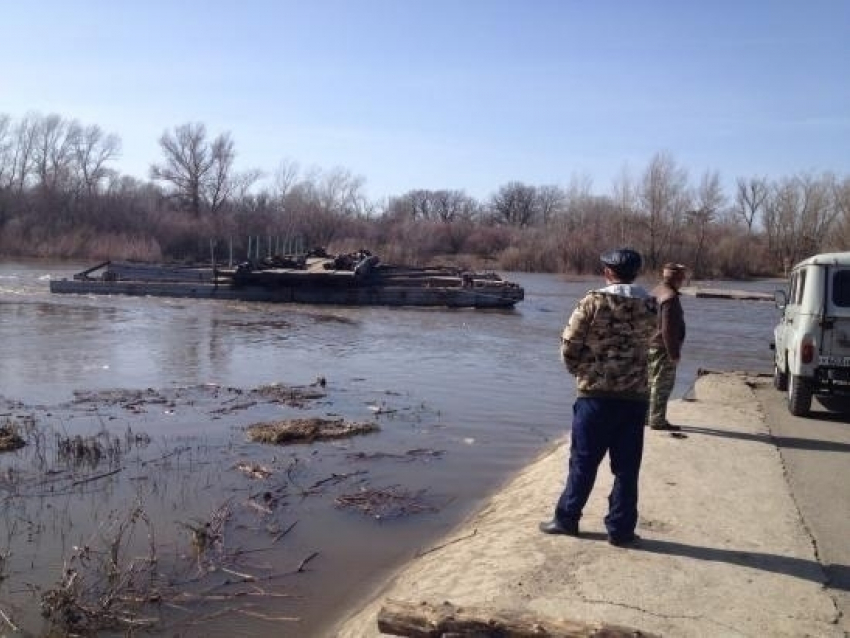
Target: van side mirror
[780, 299]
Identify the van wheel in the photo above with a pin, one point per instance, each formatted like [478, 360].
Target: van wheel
[799, 395]
[780, 379]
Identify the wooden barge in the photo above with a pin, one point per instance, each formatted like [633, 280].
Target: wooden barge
[358, 279]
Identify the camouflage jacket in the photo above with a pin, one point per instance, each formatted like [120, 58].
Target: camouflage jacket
[606, 341]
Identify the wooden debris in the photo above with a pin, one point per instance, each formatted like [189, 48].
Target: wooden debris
[9, 438]
[105, 588]
[306, 430]
[253, 470]
[409, 455]
[390, 502]
[425, 620]
[288, 395]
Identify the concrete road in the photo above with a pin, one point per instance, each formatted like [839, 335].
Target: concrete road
[816, 454]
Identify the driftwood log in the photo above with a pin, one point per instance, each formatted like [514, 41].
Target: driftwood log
[425, 620]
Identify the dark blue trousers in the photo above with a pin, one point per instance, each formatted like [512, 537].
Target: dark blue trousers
[601, 425]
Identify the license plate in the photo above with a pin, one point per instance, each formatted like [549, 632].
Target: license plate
[843, 362]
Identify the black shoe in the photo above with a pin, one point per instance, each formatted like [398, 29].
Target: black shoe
[669, 427]
[556, 527]
[624, 541]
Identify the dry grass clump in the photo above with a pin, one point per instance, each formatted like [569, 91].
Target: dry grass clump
[306, 430]
[10, 439]
[106, 587]
[89, 450]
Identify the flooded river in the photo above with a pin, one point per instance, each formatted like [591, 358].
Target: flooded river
[165, 388]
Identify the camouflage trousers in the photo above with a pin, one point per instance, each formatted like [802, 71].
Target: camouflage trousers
[662, 378]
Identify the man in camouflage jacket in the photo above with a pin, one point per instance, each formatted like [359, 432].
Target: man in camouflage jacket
[605, 345]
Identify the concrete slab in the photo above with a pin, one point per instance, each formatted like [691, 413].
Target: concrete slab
[724, 550]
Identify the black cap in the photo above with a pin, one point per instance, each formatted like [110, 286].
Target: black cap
[625, 262]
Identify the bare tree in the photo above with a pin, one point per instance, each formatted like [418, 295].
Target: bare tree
[799, 216]
[52, 154]
[22, 153]
[841, 193]
[413, 205]
[200, 172]
[708, 201]
[443, 205]
[187, 163]
[821, 211]
[625, 197]
[750, 198]
[456, 206]
[515, 204]
[340, 192]
[92, 150]
[5, 145]
[663, 197]
[285, 177]
[551, 202]
[6, 165]
[221, 183]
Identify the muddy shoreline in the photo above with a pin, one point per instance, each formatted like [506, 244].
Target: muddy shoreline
[154, 509]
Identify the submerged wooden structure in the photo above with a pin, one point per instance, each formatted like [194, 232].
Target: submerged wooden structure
[356, 279]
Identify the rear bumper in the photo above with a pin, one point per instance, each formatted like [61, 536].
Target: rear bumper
[832, 380]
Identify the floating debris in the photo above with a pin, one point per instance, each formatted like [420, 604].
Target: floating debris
[295, 396]
[105, 588]
[306, 430]
[254, 470]
[390, 502]
[9, 437]
[417, 453]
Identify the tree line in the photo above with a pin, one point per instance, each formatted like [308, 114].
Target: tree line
[61, 196]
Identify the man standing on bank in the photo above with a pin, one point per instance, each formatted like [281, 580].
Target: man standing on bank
[605, 345]
[665, 347]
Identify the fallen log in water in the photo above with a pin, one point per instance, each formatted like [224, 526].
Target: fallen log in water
[425, 620]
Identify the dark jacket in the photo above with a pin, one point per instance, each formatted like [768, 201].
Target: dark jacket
[670, 332]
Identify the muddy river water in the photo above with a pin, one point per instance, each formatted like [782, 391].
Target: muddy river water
[138, 485]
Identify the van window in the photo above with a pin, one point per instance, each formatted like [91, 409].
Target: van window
[792, 289]
[801, 287]
[841, 288]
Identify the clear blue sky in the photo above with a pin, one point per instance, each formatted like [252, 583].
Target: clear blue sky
[461, 94]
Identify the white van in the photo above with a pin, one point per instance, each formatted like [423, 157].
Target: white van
[812, 340]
